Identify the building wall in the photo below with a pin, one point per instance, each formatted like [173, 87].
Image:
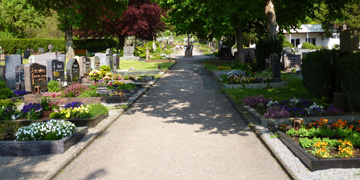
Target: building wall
[319, 40]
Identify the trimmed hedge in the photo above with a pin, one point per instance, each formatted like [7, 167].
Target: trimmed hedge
[348, 68]
[318, 73]
[95, 45]
[92, 45]
[12, 45]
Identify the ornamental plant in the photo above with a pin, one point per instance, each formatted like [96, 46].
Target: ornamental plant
[75, 90]
[31, 111]
[95, 75]
[7, 109]
[53, 86]
[49, 105]
[73, 104]
[76, 112]
[346, 149]
[253, 101]
[19, 93]
[50, 130]
[321, 149]
[51, 94]
[276, 112]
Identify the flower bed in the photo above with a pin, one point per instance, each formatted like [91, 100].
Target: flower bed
[321, 146]
[50, 137]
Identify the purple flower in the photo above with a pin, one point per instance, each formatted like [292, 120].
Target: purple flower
[253, 101]
[276, 112]
[73, 104]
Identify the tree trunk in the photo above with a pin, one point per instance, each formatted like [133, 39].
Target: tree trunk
[270, 21]
[69, 43]
[121, 42]
[240, 49]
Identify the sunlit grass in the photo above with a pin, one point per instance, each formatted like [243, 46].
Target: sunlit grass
[127, 64]
[295, 88]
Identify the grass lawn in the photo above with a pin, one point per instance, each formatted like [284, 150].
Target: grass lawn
[294, 89]
[127, 64]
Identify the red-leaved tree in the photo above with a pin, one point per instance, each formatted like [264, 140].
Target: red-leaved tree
[142, 19]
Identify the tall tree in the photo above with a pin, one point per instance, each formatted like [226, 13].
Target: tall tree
[142, 19]
[79, 13]
[16, 16]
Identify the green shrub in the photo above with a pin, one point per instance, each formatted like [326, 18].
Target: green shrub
[97, 109]
[7, 129]
[53, 86]
[286, 43]
[95, 45]
[91, 93]
[7, 109]
[6, 93]
[104, 69]
[318, 73]
[12, 45]
[2, 84]
[264, 49]
[350, 78]
[307, 45]
[7, 103]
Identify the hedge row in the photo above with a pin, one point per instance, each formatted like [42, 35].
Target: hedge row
[319, 70]
[350, 78]
[319, 73]
[12, 45]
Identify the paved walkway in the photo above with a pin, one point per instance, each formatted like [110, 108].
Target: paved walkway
[182, 128]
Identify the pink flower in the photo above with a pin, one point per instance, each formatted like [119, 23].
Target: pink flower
[95, 83]
[254, 73]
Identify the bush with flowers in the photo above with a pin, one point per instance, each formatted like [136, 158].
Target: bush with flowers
[318, 138]
[75, 90]
[294, 107]
[95, 75]
[31, 111]
[49, 130]
[242, 77]
[79, 110]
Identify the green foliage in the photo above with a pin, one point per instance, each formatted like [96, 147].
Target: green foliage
[263, 50]
[5, 93]
[11, 45]
[7, 129]
[53, 86]
[127, 86]
[95, 45]
[104, 69]
[7, 103]
[305, 142]
[286, 43]
[319, 73]
[97, 109]
[16, 16]
[90, 93]
[350, 78]
[307, 45]
[55, 115]
[292, 132]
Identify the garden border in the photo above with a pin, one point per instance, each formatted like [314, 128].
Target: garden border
[41, 147]
[314, 163]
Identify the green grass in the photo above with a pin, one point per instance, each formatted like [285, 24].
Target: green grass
[295, 88]
[127, 64]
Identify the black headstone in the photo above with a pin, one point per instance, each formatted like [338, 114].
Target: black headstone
[275, 66]
[27, 54]
[75, 71]
[38, 77]
[225, 53]
[57, 69]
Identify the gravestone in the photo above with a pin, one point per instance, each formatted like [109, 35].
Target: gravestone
[293, 61]
[110, 59]
[116, 62]
[85, 66]
[35, 76]
[50, 47]
[55, 70]
[31, 51]
[102, 58]
[275, 66]
[225, 53]
[27, 54]
[249, 55]
[97, 63]
[72, 70]
[2, 73]
[41, 50]
[129, 51]
[20, 78]
[188, 51]
[32, 59]
[61, 57]
[10, 64]
[43, 58]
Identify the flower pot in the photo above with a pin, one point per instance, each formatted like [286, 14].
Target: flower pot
[46, 113]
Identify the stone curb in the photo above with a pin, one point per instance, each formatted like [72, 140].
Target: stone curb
[91, 136]
[258, 134]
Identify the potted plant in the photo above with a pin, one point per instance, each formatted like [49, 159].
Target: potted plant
[48, 107]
